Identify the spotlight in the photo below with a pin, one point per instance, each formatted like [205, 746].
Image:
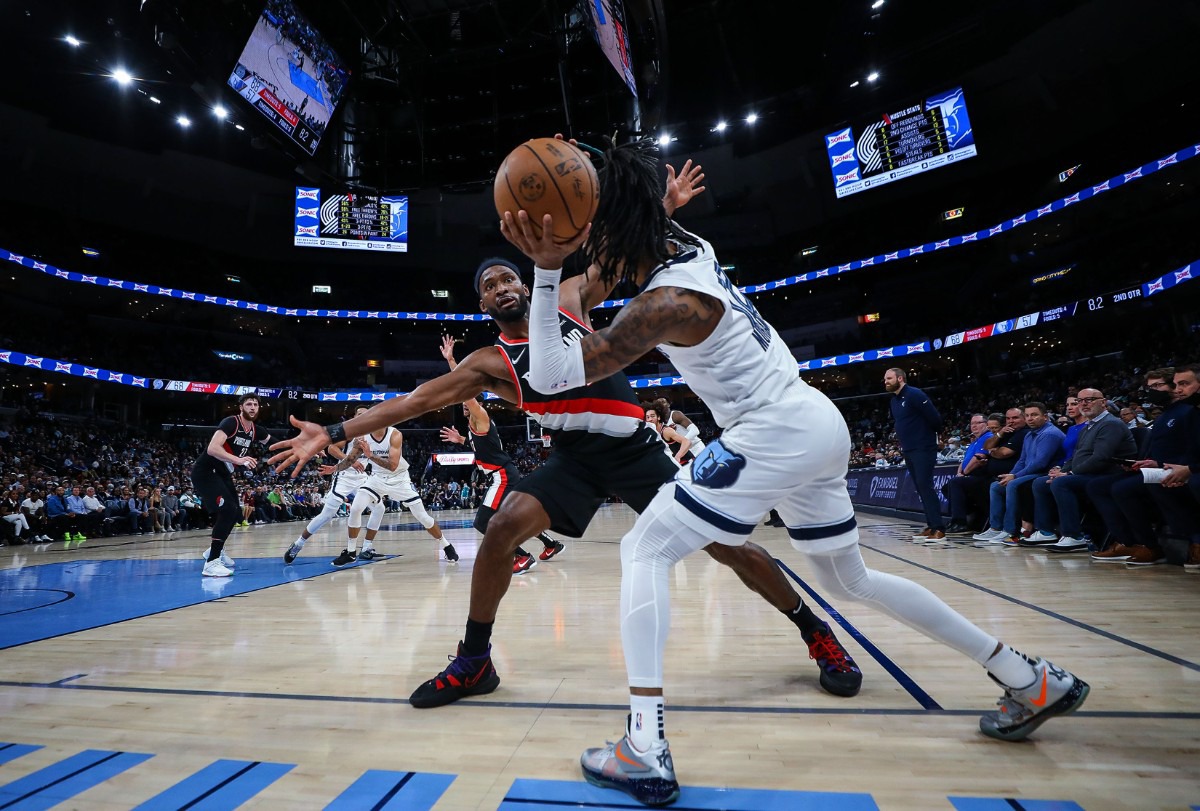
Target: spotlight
[220, 112]
[239, 127]
[750, 119]
[854, 83]
[156, 99]
[664, 139]
[122, 76]
[872, 76]
[70, 40]
[183, 121]
[721, 125]
[877, 4]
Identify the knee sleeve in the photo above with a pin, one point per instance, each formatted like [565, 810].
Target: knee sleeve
[376, 518]
[362, 500]
[649, 550]
[844, 574]
[417, 508]
[327, 514]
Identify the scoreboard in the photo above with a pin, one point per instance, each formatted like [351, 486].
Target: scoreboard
[909, 141]
[350, 221]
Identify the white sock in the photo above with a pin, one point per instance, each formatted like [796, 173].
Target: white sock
[367, 545]
[645, 721]
[299, 544]
[1012, 668]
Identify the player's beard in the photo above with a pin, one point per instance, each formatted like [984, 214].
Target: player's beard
[518, 313]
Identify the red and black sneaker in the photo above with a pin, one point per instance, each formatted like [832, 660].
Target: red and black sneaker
[466, 676]
[839, 675]
[551, 551]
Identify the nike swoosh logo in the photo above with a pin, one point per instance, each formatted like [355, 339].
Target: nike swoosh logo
[517, 359]
[1040, 701]
[544, 287]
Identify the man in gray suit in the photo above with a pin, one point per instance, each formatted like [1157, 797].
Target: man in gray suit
[1104, 441]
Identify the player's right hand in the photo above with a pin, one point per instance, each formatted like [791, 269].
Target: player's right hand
[447, 348]
[452, 435]
[296, 451]
[327, 470]
[248, 462]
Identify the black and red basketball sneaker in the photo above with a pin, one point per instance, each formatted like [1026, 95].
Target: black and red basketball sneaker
[839, 675]
[466, 676]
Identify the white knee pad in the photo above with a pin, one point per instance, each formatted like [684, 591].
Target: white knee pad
[377, 513]
[417, 508]
[327, 514]
[362, 500]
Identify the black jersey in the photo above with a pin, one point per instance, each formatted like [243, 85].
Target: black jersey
[606, 406]
[489, 451]
[240, 435]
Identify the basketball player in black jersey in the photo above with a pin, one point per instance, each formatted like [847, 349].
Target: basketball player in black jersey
[212, 478]
[491, 458]
[564, 493]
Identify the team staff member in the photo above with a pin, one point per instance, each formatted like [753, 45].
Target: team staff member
[917, 423]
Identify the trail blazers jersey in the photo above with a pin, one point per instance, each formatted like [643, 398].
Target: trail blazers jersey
[607, 406]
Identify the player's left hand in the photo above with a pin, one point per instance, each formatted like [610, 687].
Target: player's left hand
[683, 187]
[545, 251]
[296, 451]
[451, 434]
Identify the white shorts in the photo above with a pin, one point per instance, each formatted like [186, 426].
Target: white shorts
[346, 484]
[397, 488]
[791, 457]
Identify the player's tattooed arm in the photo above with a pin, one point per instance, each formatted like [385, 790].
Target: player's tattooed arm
[671, 315]
[347, 460]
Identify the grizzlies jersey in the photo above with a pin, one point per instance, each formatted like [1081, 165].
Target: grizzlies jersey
[743, 365]
[383, 448]
[606, 406]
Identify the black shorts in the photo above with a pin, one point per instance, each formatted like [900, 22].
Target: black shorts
[580, 475]
[213, 487]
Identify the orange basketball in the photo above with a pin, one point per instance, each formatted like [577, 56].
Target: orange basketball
[549, 176]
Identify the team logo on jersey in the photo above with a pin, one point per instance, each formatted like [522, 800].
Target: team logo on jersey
[717, 468]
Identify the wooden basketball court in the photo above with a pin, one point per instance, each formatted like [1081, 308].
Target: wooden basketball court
[127, 682]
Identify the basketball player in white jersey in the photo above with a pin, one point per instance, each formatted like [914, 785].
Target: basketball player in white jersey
[654, 418]
[387, 475]
[341, 491]
[736, 362]
[678, 422]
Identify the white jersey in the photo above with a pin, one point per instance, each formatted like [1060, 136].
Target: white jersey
[382, 448]
[744, 365]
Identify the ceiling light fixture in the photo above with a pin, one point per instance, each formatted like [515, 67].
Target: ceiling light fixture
[721, 125]
[220, 112]
[183, 121]
[750, 119]
[855, 83]
[664, 139]
[70, 40]
[122, 76]
[872, 76]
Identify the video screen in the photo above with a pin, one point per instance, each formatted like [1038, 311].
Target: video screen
[290, 74]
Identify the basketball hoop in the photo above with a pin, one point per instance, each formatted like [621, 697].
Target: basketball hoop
[545, 440]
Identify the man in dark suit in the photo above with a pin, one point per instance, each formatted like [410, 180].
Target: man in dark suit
[1103, 443]
[917, 425]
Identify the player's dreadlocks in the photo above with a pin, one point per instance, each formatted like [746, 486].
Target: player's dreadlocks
[630, 225]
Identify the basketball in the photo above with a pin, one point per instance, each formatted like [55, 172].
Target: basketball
[549, 176]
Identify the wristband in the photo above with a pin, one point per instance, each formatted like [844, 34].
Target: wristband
[337, 432]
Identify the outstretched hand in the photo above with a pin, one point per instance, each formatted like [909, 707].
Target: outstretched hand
[452, 435]
[296, 451]
[545, 251]
[447, 349]
[683, 187]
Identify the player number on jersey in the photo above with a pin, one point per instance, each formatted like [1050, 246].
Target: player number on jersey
[760, 328]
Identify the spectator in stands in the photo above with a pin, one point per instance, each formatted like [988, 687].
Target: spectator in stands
[140, 520]
[917, 424]
[93, 512]
[189, 503]
[1103, 443]
[1004, 446]
[116, 513]
[34, 510]
[1126, 501]
[174, 517]
[62, 521]
[1041, 450]
[953, 452]
[15, 525]
[970, 476]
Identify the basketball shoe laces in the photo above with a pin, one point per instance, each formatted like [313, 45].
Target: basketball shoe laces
[464, 671]
[828, 653]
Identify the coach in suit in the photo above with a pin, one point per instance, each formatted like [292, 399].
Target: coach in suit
[1103, 442]
[917, 424]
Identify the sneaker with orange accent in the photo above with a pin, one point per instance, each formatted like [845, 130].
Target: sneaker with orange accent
[1054, 692]
[839, 675]
[466, 676]
[522, 564]
[648, 777]
[551, 551]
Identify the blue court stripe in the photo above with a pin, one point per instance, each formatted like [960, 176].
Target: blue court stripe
[12, 751]
[63, 780]
[546, 795]
[223, 784]
[380, 790]
[1047, 612]
[706, 513]
[902, 678]
[1011, 804]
